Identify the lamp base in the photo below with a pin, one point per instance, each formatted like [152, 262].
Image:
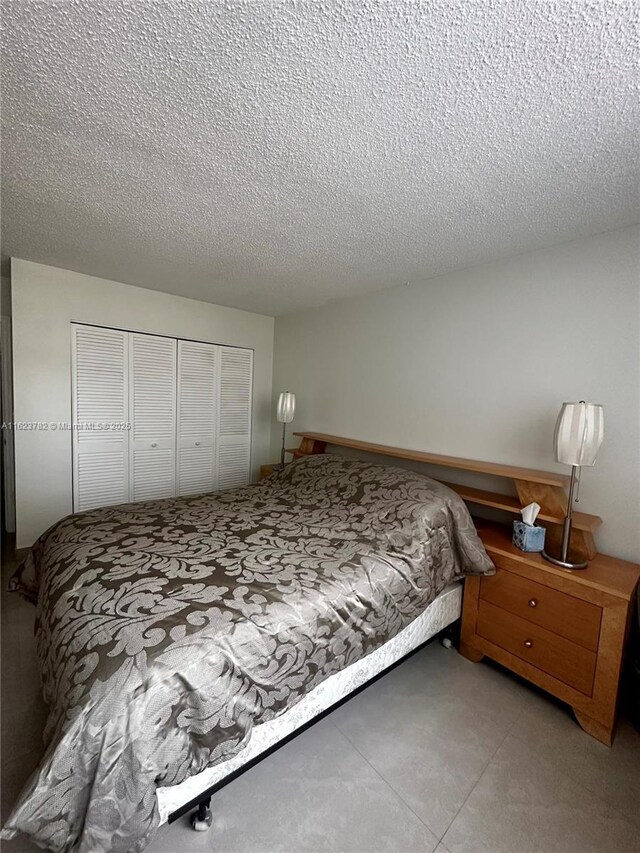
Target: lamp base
[565, 564]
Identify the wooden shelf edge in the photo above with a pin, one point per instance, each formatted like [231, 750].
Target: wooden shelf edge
[496, 469]
[507, 503]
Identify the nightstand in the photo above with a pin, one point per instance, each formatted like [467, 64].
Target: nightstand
[562, 630]
[265, 470]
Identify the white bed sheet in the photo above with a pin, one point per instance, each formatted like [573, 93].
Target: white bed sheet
[444, 610]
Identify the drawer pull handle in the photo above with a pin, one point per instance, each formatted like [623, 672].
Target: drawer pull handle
[528, 644]
[197, 444]
[533, 602]
[154, 444]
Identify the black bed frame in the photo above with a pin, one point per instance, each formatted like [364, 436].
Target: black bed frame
[203, 801]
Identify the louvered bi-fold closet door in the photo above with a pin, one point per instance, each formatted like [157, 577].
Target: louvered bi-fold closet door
[152, 411]
[100, 372]
[198, 384]
[234, 430]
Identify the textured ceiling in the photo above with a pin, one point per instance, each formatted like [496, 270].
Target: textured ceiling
[276, 155]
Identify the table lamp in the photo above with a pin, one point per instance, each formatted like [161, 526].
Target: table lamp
[577, 439]
[284, 413]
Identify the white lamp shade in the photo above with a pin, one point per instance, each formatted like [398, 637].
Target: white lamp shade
[579, 433]
[286, 407]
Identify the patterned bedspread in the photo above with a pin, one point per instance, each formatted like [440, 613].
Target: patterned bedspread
[167, 630]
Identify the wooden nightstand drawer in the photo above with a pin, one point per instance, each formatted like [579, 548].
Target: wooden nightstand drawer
[558, 657]
[566, 615]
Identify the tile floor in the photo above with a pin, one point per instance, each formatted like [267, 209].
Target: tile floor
[440, 755]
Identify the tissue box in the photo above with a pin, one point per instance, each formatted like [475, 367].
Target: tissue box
[528, 537]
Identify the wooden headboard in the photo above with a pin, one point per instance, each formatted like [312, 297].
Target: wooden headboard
[544, 487]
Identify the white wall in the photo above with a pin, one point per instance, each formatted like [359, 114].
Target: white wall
[45, 300]
[476, 363]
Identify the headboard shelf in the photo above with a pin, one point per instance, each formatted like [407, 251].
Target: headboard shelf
[544, 487]
[512, 472]
[509, 503]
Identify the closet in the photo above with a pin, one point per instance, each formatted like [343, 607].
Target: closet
[157, 417]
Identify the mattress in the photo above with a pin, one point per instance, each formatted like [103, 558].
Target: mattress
[444, 610]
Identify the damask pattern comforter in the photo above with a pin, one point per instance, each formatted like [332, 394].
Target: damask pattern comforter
[167, 630]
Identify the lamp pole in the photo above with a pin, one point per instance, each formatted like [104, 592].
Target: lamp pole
[563, 560]
[284, 433]
[566, 529]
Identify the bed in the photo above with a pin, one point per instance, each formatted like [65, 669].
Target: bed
[180, 640]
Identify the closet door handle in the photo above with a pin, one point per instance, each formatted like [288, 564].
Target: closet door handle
[197, 444]
[154, 444]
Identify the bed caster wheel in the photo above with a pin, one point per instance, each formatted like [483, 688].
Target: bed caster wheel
[202, 819]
